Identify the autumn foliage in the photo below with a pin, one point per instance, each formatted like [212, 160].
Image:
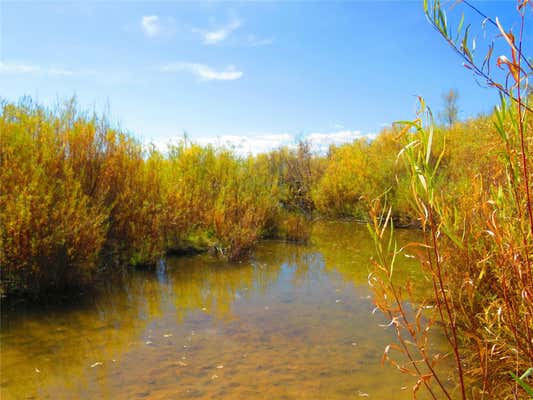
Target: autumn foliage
[79, 198]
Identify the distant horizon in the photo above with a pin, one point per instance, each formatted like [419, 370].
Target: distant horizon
[252, 75]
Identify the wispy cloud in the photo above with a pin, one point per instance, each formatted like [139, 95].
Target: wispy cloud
[20, 68]
[150, 25]
[204, 72]
[58, 71]
[254, 41]
[154, 26]
[219, 34]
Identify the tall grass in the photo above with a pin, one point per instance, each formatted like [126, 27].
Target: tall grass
[478, 235]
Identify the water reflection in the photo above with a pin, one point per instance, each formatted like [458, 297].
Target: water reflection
[291, 322]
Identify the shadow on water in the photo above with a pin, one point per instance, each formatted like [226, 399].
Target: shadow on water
[291, 322]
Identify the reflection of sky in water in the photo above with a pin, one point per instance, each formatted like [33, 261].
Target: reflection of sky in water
[292, 322]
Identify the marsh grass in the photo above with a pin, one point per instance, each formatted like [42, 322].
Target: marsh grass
[478, 241]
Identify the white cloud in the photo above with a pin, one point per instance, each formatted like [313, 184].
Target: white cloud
[154, 26]
[150, 25]
[60, 71]
[263, 143]
[248, 144]
[218, 35]
[18, 68]
[204, 72]
[255, 41]
[321, 142]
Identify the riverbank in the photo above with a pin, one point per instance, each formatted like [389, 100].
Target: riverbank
[82, 201]
[81, 198]
[293, 321]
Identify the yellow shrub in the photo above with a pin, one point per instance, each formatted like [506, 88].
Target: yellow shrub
[50, 234]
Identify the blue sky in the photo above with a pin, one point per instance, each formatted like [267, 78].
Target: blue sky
[269, 71]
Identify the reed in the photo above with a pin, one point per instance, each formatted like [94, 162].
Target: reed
[478, 239]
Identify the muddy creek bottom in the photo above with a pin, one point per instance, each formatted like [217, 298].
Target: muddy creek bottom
[292, 322]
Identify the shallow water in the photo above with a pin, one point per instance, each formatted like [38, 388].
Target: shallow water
[293, 322]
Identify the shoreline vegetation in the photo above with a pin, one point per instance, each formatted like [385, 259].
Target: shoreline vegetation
[81, 198]
[476, 212]
[82, 201]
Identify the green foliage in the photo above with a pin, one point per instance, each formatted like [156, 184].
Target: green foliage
[521, 381]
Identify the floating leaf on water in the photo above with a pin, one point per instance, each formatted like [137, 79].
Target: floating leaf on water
[96, 364]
